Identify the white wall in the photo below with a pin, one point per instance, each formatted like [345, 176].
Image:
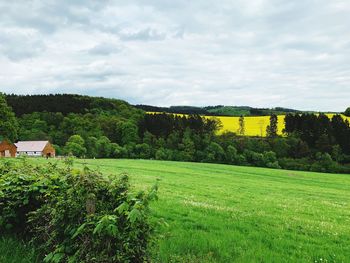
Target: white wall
[33, 154]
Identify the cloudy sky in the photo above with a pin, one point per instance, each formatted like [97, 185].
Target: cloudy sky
[262, 53]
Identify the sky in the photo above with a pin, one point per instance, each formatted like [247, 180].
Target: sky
[260, 53]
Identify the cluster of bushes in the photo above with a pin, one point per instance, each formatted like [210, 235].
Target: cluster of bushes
[75, 215]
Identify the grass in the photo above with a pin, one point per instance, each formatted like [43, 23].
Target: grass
[14, 251]
[222, 213]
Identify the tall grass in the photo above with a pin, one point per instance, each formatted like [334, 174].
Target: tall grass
[12, 250]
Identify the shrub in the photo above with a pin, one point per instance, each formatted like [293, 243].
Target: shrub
[254, 158]
[295, 164]
[75, 215]
[214, 153]
[24, 188]
[270, 160]
[324, 163]
[231, 155]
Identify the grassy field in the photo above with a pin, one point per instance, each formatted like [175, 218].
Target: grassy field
[254, 125]
[221, 213]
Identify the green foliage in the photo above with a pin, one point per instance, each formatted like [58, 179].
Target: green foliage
[24, 188]
[229, 111]
[127, 132]
[280, 146]
[214, 153]
[324, 163]
[163, 154]
[187, 146]
[241, 129]
[143, 150]
[104, 147]
[8, 121]
[271, 130]
[75, 146]
[347, 112]
[218, 110]
[75, 215]
[270, 160]
[13, 250]
[231, 155]
[120, 152]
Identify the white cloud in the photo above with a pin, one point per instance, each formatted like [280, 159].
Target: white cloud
[258, 53]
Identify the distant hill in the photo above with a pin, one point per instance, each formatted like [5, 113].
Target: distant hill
[64, 103]
[219, 110]
[73, 103]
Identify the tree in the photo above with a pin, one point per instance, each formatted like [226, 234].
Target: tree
[127, 132]
[104, 147]
[261, 127]
[214, 153]
[231, 155]
[143, 150]
[271, 130]
[347, 112]
[118, 151]
[163, 154]
[270, 160]
[324, 163]
[324, 144]
[280, 146]
[76, 146]
[8, 122]
[187, 147]
[241, 123]
[91, 146]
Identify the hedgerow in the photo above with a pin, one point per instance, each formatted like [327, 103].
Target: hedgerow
[74, 215]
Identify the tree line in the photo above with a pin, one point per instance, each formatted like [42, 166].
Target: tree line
[115, 129]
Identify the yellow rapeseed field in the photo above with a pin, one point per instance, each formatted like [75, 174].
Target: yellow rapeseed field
[254, 125]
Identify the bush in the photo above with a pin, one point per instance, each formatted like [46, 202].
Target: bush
[254, 158]
[24, 188]
[270, 160]
[295, 164]
[231, 155]
[75, 215]
[214, 153]
[324, 163]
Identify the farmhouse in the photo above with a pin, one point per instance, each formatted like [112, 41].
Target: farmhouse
[35, 148]
[7, 149]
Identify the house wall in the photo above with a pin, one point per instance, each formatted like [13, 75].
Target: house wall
[33, 154]
[7, 149]
[49, 151]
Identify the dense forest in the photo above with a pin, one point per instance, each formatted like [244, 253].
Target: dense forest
[107, 128]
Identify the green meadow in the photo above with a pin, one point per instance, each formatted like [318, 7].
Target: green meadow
[223, 213]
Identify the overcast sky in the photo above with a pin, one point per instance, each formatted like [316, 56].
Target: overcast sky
[262, 53]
